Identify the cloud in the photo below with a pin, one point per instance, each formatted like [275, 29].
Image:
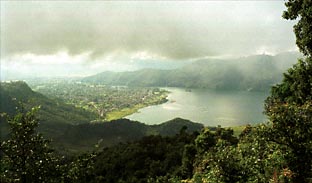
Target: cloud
[175, 30]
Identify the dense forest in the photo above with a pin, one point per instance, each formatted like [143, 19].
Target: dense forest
[277, 151]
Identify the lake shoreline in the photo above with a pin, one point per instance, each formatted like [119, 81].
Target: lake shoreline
[156, 100]
[209, 107]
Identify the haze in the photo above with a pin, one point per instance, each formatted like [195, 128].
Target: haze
[66, 38]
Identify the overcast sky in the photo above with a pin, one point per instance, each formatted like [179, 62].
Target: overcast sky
[106, 35]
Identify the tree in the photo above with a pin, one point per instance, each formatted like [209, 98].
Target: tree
[289, 107]
[261, 159]
[188, 159]
[205, 140]
[292, 127]
[26, 156]
[301, 9]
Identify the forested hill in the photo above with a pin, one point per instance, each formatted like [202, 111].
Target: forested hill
[70, 128]
[55, 116]
[18, 94]
[83, 137]
[257, 72]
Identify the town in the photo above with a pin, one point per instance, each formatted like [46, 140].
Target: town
[107, 102]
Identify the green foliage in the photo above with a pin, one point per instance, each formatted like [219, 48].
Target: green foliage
[151, 159]
[216, 161]
[188, 160]
[70, 127]
[280, 151]
[301, 9]
[292, 127]
[290, 113]
[289, 107]
[222, 164]
[208, 139]
[296, 86]
[205, 141]
[27, 157]
[80, 169]
[251, 159]
[262, 160]
[52, 111]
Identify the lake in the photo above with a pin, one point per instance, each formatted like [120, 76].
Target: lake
[209, 107]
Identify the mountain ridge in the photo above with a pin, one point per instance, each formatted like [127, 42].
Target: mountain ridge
[257, 72]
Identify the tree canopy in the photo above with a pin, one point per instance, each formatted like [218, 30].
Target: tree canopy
[301, 10]
[289, 107]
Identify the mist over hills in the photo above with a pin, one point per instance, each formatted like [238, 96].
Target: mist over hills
[257, 72]
[71, 127]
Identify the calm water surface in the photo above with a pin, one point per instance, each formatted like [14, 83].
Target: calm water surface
[225, 108]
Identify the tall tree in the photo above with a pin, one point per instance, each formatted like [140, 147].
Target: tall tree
[26, 155]
[289, 107]
[302, 10]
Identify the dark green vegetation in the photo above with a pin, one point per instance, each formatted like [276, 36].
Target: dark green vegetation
[108, 102]
[13, 93]
[235, 74]
[301, 10]
[279, 151]
[55, 116]
[85, 136]
[70, 127]
[151, 159]
[27, 157]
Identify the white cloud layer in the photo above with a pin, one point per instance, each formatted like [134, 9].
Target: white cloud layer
[174, 30]
[92, 36]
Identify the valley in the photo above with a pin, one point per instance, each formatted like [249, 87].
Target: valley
[107, 102]
[156, 92]
[77, 113]
[73, 125]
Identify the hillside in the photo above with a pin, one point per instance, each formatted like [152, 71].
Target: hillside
[257, 72]
[85, 136]
[54, 115]
[52, 111]
[70, 128]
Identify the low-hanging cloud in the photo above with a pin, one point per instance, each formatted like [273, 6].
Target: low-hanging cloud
[174, 30]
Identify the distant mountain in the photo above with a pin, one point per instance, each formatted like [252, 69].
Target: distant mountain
[257, 72]
[70, 127]
[144, 77]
